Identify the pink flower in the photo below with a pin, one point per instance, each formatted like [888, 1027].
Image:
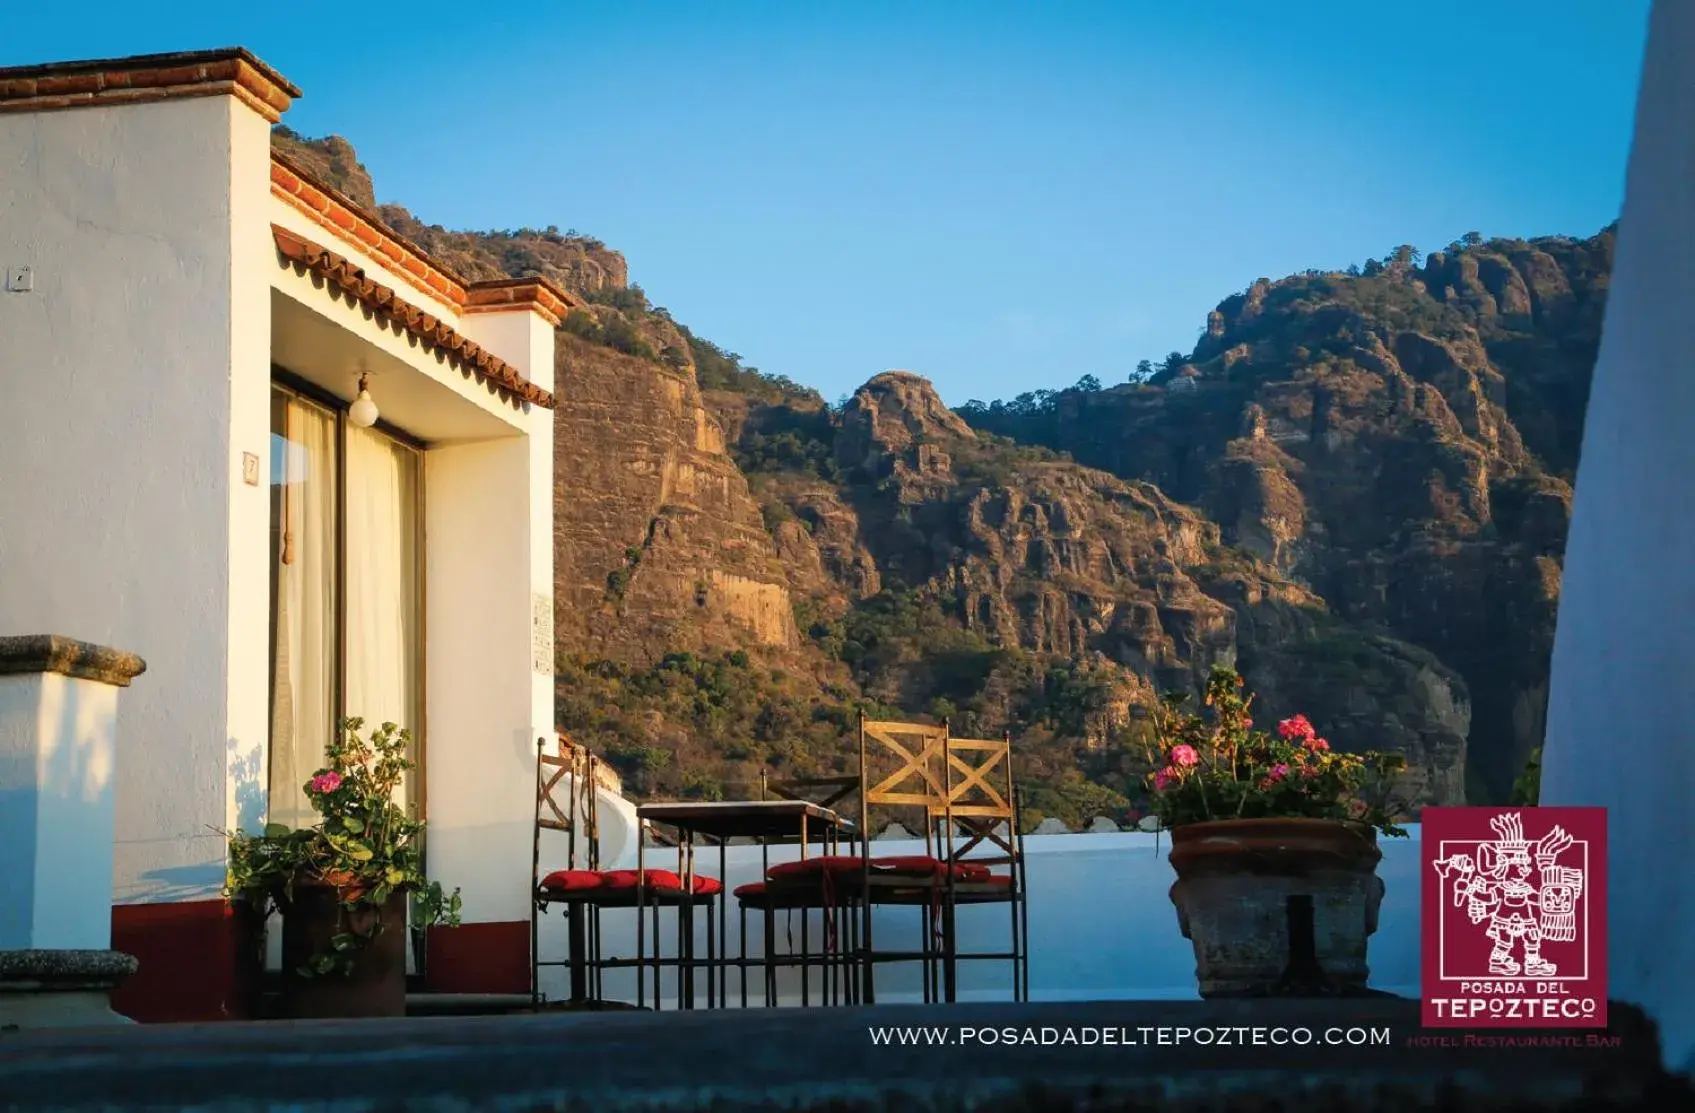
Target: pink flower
[1357, 808]
[1309, 770]
[1296, 729]
[1167, 777]
[1317, 745]
[1247, 721]
[324, 782]
[1278, 772]
[1184, 755]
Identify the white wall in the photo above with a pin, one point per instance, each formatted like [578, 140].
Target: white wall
[118, 475]
[1620, 702]
[483, 714]
[1102, 926]
[57, 752]
[252, 263]
[488, 525]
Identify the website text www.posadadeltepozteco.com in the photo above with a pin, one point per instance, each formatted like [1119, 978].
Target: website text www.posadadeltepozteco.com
[956, 1035]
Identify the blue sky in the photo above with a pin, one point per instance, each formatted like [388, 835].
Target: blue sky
[999, 196]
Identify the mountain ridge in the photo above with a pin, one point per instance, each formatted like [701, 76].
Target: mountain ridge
[1354, 489]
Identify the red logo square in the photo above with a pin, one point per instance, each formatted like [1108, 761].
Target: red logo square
[1514, 917]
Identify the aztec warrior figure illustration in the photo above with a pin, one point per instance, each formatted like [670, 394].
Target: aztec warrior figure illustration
[1499, 887]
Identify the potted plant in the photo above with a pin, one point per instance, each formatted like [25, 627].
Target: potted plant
[343, 884]
[1274, 841]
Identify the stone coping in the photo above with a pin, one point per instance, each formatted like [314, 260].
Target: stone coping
[29, 653]
[828, 1059]
[45, 970]
[147, 78]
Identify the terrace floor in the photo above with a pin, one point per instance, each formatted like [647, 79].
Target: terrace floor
[829, 1059]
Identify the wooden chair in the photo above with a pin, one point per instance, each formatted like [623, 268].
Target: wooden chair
[981, 806]
[958, 784]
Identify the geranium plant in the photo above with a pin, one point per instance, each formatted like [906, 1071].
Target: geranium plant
[365, 847]
[1214, 764]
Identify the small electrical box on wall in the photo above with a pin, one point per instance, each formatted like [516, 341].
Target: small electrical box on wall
[250, 469]
[19, 280]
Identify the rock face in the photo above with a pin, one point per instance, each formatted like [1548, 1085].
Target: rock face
[1401, 443]
[1067, 562]
[659, 547]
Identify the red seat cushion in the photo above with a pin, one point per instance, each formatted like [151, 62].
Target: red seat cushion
[995, 879]
[664, 880]
[707, 886]
[571, 881]
[751, 889]
[919, 865]
[809, 869]
[912, 865]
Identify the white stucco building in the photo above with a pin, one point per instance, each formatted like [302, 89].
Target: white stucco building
[185, 320]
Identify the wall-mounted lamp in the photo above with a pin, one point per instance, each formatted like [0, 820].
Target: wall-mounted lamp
[363, 412]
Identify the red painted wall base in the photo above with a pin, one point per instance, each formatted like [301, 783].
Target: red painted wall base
[479, 958]
[198, 961]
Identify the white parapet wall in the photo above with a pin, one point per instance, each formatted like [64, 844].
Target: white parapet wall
[1620, 702]
[1101, 925]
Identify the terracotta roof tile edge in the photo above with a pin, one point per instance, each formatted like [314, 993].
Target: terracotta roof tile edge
[471, 359]
[535, 293]
[148, 77]
[348, 220]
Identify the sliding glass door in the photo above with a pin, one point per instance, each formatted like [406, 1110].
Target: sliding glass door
[346, 590]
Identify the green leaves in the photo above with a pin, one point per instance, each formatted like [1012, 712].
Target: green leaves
[351, 848]
[364, 846]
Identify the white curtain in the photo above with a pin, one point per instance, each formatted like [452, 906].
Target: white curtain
[383, 621]
[303, 497]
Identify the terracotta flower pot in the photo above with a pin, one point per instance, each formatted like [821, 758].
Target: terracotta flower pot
[1238, 897]
[377, 985]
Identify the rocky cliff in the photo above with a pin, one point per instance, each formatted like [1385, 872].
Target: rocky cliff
[1399, 441]
[1030, 551]
[659, 548]
[1355, 490]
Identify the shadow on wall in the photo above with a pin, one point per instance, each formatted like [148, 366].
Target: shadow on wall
[49, 809]
[249, 785]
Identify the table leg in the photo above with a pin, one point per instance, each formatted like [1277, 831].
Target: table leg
[641, 914]
[658, 956]
[770, 954]
[723, 926]
[685, 926]
[575, 925]
[712, 998]
[741, 966]
[950, 968]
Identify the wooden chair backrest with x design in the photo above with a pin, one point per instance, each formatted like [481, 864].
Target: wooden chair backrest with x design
[979, 800]
[964, 788]
[900, 767]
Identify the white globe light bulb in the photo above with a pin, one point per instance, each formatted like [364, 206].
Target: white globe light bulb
[363, 412]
